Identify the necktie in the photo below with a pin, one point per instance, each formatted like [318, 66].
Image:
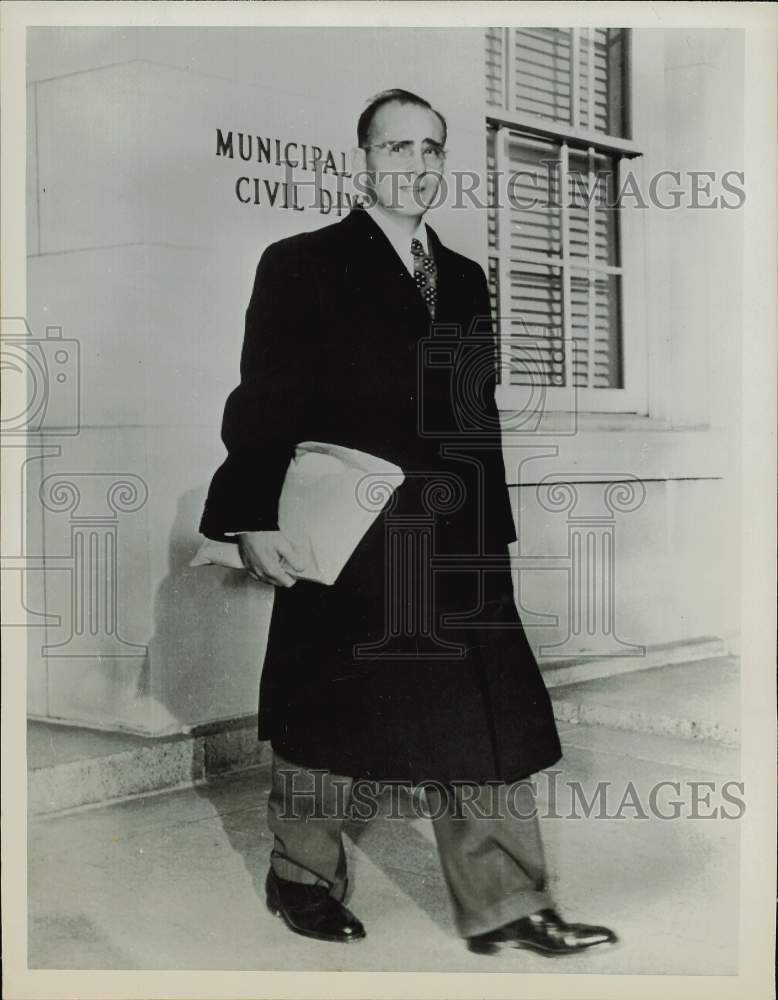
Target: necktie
[425, 275]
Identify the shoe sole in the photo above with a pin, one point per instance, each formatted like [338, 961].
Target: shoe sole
[312, 934]
[498, 946]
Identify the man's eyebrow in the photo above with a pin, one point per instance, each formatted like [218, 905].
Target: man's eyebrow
[435, 142]
[438, 142]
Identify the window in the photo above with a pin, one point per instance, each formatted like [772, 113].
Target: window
[558, 133]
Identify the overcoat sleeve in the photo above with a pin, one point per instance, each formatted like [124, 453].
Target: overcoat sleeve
[265, 415]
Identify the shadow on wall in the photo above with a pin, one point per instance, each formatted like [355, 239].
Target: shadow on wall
[210, 631]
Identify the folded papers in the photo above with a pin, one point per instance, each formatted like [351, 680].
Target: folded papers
[330, 497]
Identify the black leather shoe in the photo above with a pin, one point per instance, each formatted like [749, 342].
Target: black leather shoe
[544, 932]
[310, 910]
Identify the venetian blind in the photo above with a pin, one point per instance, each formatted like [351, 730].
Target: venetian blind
[570, 75]
[556, 269]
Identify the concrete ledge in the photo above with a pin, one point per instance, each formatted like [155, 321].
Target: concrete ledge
[697, 700]
[586, 668]
[70, 767]
[644, 722]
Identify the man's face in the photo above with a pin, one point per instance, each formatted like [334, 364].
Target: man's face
[403, 164]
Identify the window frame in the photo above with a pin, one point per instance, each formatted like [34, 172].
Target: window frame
[632, 397]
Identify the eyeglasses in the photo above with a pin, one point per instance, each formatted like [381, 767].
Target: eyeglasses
[404, 150]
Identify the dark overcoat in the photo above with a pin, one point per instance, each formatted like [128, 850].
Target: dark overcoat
[414, 665]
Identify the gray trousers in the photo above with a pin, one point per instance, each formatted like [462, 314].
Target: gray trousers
[487, 836]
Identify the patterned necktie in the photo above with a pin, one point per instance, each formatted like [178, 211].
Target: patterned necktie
[425, 274]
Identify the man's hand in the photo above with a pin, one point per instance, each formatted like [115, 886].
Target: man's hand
[264, 554]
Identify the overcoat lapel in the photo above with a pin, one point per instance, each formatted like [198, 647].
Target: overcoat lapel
[377, 272]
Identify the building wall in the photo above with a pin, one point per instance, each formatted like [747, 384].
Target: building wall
[140, 251]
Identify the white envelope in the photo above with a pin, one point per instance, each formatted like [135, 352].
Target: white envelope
[330, 497]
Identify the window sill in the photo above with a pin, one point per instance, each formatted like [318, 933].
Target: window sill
[560, 422]
[611, 445]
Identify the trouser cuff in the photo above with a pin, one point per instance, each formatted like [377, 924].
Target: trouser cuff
[290, 870]
[514, 907]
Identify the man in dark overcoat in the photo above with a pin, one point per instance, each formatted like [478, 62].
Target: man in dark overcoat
[413, 666]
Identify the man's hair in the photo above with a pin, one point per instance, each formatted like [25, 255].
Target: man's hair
[394, 96]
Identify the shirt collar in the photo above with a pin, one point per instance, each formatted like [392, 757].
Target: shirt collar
[400, 240]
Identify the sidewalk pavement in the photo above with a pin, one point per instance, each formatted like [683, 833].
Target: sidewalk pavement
[175, 880]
